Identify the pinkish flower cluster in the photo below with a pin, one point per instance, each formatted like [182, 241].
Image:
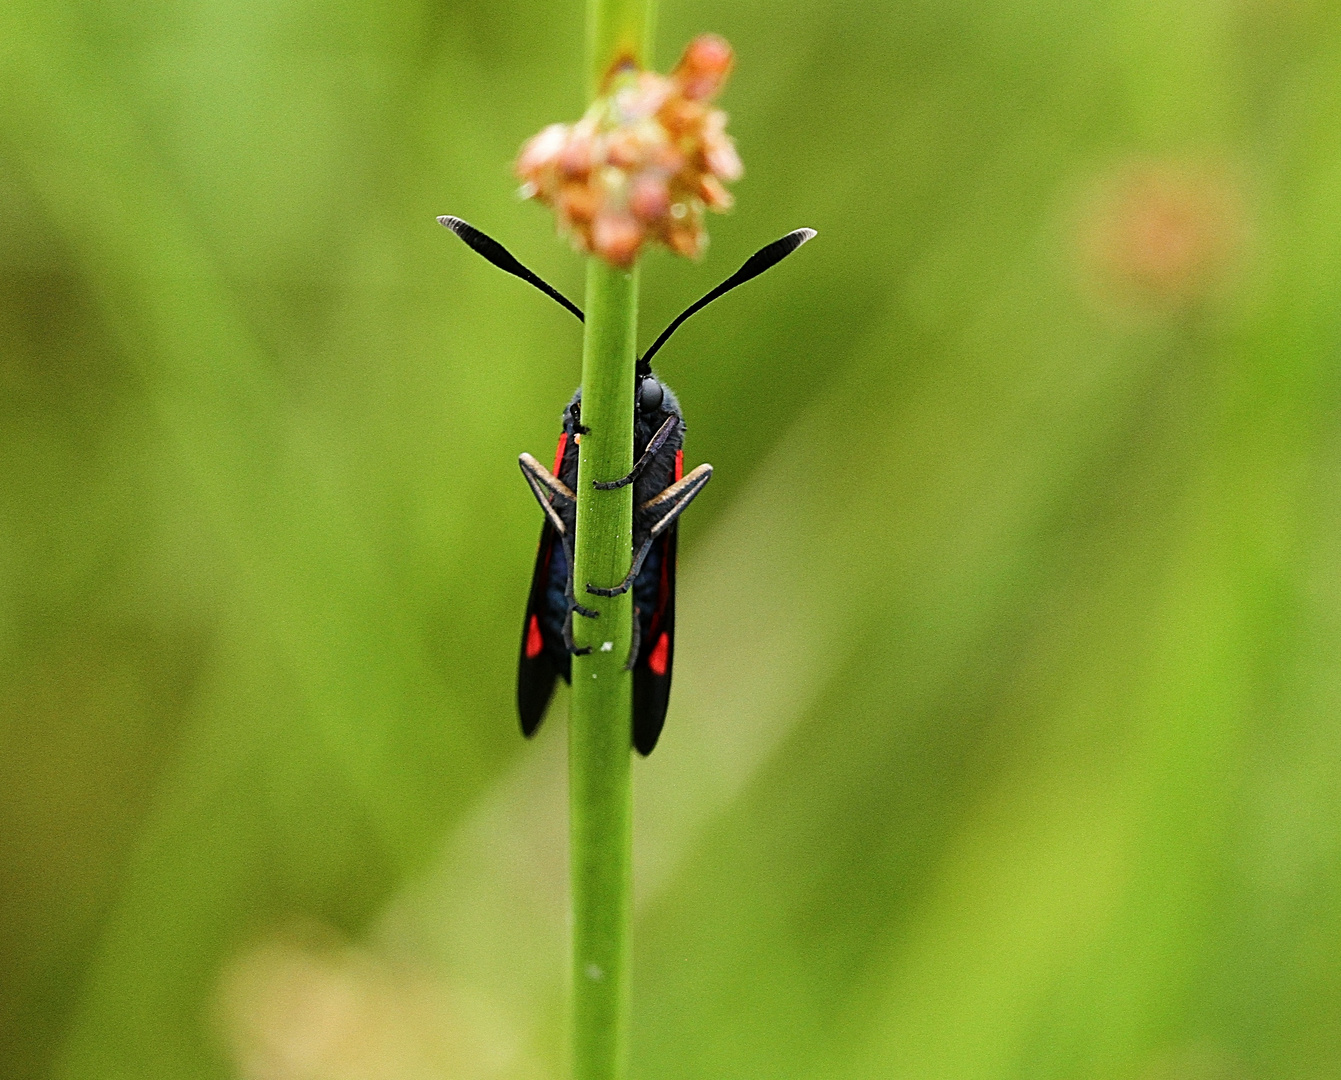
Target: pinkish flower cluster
[643, 163]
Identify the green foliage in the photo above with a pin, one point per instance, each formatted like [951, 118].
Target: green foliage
[1004, 736]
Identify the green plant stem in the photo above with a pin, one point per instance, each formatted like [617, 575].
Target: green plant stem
[599, 767]
[600, 780]
[617, 29]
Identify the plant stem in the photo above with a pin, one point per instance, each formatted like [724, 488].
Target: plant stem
[600, 781]
[600, 791]
[617, 29]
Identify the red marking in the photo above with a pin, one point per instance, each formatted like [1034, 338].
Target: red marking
[534, 642]
[657, 661]
[558, 454]
[679, 465]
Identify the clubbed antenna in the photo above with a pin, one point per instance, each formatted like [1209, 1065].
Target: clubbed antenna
[497, 254]
[755, 265]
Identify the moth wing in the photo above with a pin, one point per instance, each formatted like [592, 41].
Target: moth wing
[656, 654]
[544, 656]
[536, 670]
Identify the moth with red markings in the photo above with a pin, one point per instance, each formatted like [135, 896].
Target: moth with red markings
[661, 492]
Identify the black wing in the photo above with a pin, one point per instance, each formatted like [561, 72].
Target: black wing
[536, 669]
[656, 652]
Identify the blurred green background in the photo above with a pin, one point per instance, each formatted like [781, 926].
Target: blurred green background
[1006, 739]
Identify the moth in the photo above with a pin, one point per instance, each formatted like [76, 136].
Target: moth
[661, 493]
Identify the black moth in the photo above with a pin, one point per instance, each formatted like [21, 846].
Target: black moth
[661, 492]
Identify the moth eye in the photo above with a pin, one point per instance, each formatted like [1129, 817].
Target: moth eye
[649, 395]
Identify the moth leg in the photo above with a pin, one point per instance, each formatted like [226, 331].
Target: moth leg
[658, 441]
[635, 643]
[625, 585]
[546, 487]
[568, 592]
[573, 606]
[675, 499]
[568, 641]
[663, 509]
[536, 472]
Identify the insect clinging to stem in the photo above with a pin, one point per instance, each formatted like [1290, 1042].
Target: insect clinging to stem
[661, 492]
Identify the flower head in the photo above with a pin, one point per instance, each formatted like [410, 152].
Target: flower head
[644, 162]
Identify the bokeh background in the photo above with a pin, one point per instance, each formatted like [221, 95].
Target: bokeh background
[1006, 739]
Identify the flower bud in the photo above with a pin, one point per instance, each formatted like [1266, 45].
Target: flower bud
[541, 151]
[649, 198]
[704, 67]
[616, 237]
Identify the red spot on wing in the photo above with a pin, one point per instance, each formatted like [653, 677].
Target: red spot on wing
[558, 454]
[534, 642]
[679, 465]
[660, 654]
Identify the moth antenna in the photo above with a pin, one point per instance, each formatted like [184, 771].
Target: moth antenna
[756, 264]
[497, 254]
